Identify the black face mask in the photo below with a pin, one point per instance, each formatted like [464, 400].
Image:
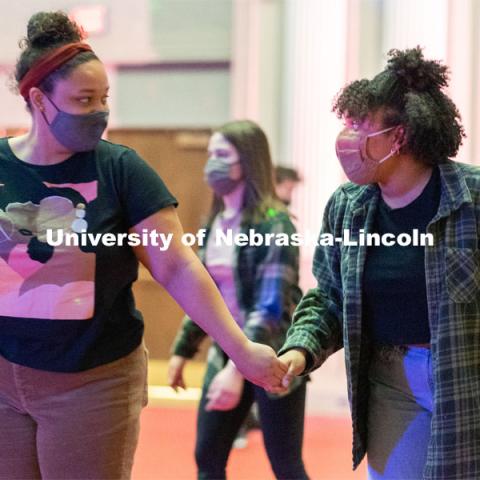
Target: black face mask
[78, 133]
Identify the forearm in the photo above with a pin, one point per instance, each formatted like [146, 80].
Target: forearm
[314, 329]
[194, 290]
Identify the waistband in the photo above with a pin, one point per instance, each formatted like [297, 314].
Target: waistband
[391, 352]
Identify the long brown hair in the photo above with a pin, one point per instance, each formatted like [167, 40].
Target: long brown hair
[252, 146]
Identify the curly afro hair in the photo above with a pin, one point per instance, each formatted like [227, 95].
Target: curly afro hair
[409, 91]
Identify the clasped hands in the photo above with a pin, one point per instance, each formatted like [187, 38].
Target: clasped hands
[225, 390]
[258, 364]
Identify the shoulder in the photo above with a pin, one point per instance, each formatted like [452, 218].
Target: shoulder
[275, 220]
[471, 173]
[107, 152]
[349, 196]
[121, 161]
[459, 176]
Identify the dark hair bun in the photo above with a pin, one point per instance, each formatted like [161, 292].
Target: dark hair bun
[416, 73]
[47, 29]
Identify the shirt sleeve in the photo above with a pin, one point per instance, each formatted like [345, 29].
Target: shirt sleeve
[142, 191]
[188, 339]
[317, 323]
[276, 276]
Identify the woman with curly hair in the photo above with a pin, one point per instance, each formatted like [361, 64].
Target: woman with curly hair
[73, 368]
[407, 316]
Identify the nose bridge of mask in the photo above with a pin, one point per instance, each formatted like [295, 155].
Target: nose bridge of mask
[347, 140]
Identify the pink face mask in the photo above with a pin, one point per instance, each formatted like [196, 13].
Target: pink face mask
[351, 147]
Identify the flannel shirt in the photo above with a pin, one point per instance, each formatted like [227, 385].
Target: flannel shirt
[329, 316]
[266, 281]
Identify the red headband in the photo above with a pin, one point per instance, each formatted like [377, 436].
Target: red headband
[46, 65]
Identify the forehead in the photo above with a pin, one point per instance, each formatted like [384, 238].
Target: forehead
[219, 142]
[371, 121]
[88, 76]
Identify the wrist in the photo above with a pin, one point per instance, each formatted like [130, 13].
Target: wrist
[241, 353]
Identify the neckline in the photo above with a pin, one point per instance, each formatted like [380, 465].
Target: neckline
[428, 187]
[11, 155]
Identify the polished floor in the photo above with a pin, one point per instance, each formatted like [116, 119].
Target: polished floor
[168, 432]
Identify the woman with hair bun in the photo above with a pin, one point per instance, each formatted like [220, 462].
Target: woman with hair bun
[72, 362]
[406, 315]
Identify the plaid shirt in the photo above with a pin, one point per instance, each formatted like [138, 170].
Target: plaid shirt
[266, 280]
[329, 317]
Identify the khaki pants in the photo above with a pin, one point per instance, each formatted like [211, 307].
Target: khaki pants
[71, 425]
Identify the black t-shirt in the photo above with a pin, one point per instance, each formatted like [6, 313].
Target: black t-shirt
[394, 287]
[70, 308]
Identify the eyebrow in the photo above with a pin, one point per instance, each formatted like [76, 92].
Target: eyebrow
[219, 149]
[91, 90]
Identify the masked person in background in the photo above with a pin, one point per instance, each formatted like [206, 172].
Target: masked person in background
[407, 316]
[258, 284]
[73, 368]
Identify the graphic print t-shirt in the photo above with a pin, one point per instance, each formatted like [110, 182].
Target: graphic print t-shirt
[68, 308]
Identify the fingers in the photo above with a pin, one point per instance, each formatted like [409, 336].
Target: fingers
[277, 390]
[221, 401]
[176, 382]
[279, 369]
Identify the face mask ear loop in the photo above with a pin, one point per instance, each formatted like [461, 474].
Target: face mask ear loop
[44, 117]
[42, 110]
[393, 151]
[374, 134]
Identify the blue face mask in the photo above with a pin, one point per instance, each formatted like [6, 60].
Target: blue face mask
[78, 133]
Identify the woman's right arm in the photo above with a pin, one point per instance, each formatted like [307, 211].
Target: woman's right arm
[182, 274]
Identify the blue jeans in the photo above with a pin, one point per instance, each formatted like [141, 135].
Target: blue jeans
[400, 414]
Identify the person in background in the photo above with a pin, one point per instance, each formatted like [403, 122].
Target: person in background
[286, 179]
[406, 315]
[258, 284]
[73, 368]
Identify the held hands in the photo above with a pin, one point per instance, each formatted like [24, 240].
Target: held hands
[226, 389]
[176, 365]
[295, 361]
[259, 364]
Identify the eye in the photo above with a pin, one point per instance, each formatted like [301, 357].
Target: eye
[105, 100]
[85, 100]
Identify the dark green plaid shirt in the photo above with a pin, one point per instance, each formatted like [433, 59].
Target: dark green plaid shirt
[266, 280]
[329, 316]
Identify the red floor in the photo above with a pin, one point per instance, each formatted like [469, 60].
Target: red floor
[166, 446]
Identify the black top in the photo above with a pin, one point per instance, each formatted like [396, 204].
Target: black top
[69, 308]
[394, 291]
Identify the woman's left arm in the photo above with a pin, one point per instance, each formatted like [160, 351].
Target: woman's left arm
[179, 270]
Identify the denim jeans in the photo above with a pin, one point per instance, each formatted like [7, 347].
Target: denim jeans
[400, 414]
[71, 425]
